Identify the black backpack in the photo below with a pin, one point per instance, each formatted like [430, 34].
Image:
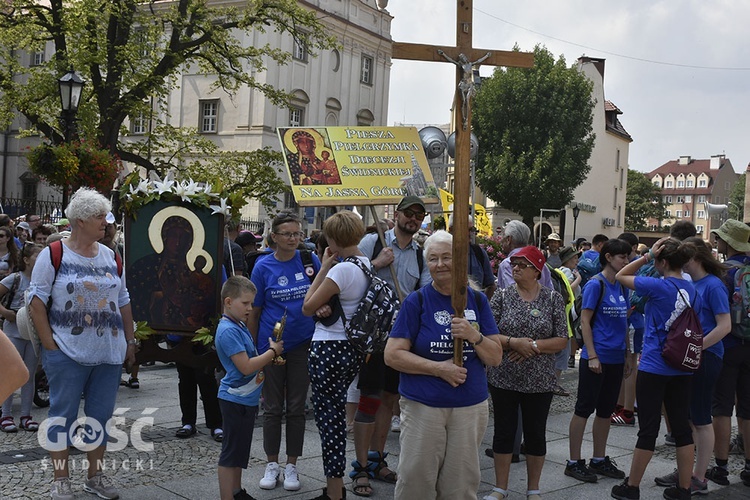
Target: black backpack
[369, 327]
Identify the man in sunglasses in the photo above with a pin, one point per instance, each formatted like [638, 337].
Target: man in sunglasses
[378, 382]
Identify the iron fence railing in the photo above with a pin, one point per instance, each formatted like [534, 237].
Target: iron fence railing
[49, 211]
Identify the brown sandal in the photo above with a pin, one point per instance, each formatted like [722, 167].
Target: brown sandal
[359, 487]
[376, 459]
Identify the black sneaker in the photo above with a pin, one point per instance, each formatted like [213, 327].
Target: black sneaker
[243, 495]
[578, 470]
[745, 476]
[718, 475]
[606, 467]
[623, 491]
[677, 493]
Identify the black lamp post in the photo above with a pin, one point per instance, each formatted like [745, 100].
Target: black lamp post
[576, 211]
[70, 86]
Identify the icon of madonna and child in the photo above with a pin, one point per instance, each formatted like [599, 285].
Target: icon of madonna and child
[173, 281]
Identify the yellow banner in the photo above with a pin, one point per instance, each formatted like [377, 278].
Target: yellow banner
[446, 199]
[481, 221]
[356, 165]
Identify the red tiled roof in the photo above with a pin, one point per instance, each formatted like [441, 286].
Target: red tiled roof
[695, 167]
[612, 123]
[610, 106]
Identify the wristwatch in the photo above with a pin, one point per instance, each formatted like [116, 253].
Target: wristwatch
[132, 342]
[534, 344]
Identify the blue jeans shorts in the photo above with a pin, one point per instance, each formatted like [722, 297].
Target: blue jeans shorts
[68, 381]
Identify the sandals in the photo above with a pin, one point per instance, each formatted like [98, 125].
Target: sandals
[496, 494]
[133, 383]
[186, 431]
[361, 478]
[8, 425]
[28, 424]
[217, 434]
[559, 391]
[381, 472]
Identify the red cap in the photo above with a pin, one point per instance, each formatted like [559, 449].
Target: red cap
[533, 255]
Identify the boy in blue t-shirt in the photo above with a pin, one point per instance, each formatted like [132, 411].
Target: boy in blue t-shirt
[239, 391]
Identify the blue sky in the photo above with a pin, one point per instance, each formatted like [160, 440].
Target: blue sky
[678, 69]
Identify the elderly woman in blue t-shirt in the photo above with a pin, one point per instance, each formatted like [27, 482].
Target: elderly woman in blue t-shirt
[82, 314]
[444, 409]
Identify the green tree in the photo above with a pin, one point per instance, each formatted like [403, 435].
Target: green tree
[643, 202]
[737, 199]
[130, 52]
[534, 127]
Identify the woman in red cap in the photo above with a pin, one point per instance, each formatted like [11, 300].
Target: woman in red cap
[532, 324]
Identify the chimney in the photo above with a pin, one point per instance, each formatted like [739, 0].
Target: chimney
[716, 161]
[684, 160]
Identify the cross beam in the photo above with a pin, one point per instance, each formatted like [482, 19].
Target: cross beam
[462, 56]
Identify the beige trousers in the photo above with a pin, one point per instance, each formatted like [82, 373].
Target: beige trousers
[440, 451]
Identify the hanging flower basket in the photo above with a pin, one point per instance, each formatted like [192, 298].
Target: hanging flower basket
[75, 165]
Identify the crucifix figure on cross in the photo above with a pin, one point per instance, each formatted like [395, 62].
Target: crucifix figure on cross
[466, 85]
[461, 55]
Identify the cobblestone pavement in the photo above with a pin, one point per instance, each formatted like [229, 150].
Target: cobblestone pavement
[186, 468]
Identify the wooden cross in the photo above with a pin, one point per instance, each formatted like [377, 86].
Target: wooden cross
[464, 56]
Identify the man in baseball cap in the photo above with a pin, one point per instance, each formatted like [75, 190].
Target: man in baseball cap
[553, 243]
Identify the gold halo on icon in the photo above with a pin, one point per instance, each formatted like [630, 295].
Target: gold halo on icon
[319, 141]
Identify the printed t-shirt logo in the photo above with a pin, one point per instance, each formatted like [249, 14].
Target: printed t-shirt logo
[283, 281]
[442, 318]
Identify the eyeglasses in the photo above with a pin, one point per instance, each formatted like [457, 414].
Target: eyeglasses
[291, 235]
[521, 264]
[411, 214]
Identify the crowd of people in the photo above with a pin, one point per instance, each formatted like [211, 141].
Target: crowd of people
[521, 328]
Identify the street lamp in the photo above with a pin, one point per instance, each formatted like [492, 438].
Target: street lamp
[70, 86]
[576, 211]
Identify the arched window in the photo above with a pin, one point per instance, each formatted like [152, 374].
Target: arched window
[297, 108]
[365, 118]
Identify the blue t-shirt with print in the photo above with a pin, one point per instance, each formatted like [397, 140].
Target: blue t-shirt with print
[427, 326]
[610, 325]
[714, 300]
[732, 340]
[282, 287]
[664, 305]
[233, 337]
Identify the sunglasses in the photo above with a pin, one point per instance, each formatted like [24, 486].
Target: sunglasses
[411, 214]
[521, 264]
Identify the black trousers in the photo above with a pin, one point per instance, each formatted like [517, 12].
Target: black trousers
[190, 381]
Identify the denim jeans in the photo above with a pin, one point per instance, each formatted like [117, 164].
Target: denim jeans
[68, 381]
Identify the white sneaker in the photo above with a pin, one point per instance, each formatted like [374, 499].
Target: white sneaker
[271, 477]
[395, 423]
[291, 479]
[61, 489]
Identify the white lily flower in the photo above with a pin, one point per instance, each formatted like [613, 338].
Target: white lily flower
[221, 209]
[143, 187]
[191, 187]
[164, 186]
[179, 190]
[208, 189]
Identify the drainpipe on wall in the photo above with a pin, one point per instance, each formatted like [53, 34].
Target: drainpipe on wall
[5, 161]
